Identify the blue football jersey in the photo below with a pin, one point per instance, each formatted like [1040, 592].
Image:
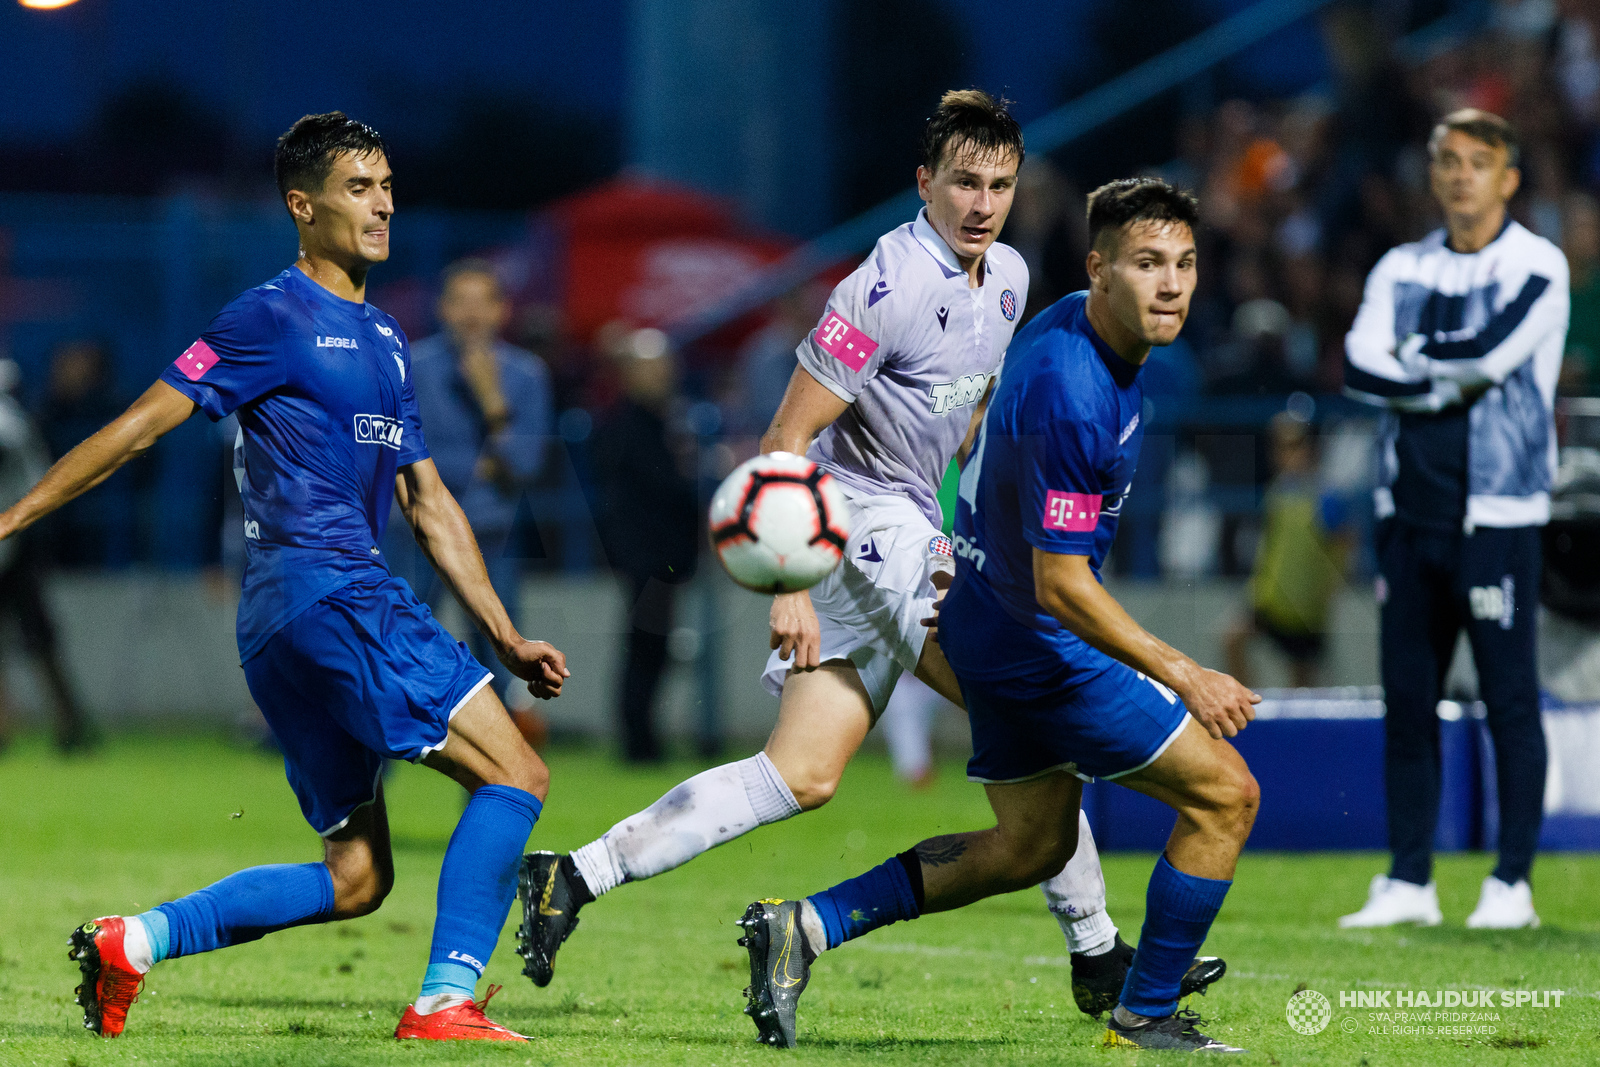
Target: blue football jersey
[1051, 467]
[326, 411]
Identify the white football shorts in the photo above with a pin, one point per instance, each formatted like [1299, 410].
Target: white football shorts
[871, 607]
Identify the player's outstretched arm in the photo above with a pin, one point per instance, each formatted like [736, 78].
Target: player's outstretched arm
[1066, 587]
[441, 528]
[129, 436]
[808, 408]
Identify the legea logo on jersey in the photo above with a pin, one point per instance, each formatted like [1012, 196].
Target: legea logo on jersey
[379, 430]
[336, 342]
[958, 394]
[844, 342]
[1071, 512]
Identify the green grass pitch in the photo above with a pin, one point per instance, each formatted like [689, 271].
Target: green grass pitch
[653, 974]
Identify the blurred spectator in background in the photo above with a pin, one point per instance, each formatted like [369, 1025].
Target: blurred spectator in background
[23, 461]
[1048, 227]
[1580, 240]
[485, 407]
[767, 359]
[907, 727]
[94, 530]
[1300, 559]
[649, 515]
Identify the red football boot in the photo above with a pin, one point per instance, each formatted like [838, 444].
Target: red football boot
[110, 984]
[464, 1022]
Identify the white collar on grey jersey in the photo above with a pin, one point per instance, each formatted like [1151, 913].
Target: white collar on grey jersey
[929, 238]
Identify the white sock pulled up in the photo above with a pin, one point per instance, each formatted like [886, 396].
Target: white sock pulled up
[708, 810]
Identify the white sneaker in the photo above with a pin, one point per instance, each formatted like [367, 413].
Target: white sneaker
[1504, 907]
[1391, 901]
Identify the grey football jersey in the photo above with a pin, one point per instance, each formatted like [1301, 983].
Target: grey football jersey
[912, 349]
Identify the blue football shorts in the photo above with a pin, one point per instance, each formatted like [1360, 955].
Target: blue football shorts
[1103, 724]
[364, 674]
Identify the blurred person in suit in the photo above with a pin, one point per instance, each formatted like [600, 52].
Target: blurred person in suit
[487, 406]
[23, 461]
[649, 514]
[80, 397]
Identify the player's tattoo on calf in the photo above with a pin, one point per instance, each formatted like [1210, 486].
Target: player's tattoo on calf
[938, 851]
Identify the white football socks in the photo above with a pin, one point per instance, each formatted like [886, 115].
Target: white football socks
[1077, 898]
[811, 926]
[439, 1002]
[708, 810]
[136, 944]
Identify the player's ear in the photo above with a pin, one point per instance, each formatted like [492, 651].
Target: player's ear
[1094, 266]
[1510, 183]
[300, 207]
[925, 183]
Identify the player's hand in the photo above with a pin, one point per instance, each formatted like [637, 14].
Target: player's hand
[795, 630]
[1408, 354]
[1219, 703]
[540, 664]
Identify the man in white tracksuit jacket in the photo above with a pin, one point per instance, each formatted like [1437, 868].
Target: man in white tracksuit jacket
[1459, 339]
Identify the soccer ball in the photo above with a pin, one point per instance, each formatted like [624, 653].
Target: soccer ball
[778, 523]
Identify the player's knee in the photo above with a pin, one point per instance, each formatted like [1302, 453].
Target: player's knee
[1238, 797]
[530, 775]
[359, 890]
[813, 791]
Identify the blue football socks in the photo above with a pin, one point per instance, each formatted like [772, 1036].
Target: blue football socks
[240, 908]
[476, 886]
[884, 895]
[1178, 912]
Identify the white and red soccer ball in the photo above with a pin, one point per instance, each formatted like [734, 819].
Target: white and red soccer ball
[779, 523]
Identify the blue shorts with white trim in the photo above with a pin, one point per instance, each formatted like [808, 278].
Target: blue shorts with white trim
[1111, 723]
[364, 674]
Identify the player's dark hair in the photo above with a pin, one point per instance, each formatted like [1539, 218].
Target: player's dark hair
[970, 119]
[305, 154]
[1479, 125]
[1116, 204]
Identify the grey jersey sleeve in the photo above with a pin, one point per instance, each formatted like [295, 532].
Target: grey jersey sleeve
[853, 339]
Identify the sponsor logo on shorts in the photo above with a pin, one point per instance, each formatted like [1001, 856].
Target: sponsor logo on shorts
[963, 392]
[869, 552]
[1495, 603]
[844, 342]
[1071, 512]
[379, 430]
[1008, 305]
[196, 360]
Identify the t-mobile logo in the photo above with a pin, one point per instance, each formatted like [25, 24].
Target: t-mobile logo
[959, 393]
